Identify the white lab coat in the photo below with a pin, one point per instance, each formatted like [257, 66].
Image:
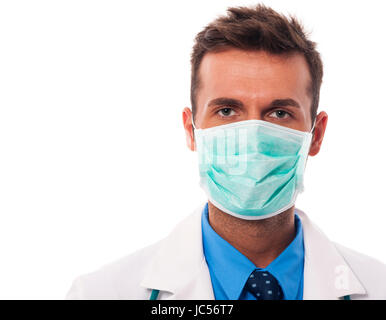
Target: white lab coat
[177, 267]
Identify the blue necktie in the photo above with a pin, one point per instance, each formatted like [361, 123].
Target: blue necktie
[264, 286]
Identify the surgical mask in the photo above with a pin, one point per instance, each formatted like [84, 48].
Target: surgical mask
[252, 169]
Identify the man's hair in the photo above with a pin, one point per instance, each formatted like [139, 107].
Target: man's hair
[256, 28]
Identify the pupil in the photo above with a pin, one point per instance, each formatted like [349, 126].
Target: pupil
[226, 111]
[280, 113]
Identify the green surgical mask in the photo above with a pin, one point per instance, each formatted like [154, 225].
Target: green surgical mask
[252, 169]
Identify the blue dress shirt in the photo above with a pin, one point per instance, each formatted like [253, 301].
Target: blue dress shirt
[229, 269]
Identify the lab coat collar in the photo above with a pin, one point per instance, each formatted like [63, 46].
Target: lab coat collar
[327, 276]
[180, 270]
[179, 267]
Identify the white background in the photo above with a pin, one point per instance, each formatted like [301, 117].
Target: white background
[93, 162]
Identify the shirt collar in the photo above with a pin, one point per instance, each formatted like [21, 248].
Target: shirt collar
[288, 267]
[232, 268]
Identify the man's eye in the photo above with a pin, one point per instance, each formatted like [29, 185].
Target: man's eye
[280, 114]
[226, 112]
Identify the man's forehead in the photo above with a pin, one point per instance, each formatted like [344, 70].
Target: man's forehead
[252, 64]
[256, 72]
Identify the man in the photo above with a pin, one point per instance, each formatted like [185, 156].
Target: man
[255, 88]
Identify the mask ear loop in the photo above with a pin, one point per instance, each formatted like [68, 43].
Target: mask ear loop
[194, 127]
[312, 132]
[313, 127]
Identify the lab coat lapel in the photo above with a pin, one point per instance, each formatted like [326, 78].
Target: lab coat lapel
[327, 276]
[179, 269]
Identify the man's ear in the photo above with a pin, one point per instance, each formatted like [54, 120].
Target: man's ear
[187, 122]
[319, 130]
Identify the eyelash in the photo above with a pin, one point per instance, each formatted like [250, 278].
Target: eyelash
[286, 112]
[218, 111]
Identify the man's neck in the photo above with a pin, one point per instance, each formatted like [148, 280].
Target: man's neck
[261, 241]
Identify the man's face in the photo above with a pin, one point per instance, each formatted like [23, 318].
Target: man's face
[239, 85]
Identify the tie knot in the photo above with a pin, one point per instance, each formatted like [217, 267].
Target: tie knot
[264, 286]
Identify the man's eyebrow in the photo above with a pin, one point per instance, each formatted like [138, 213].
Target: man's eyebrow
[284, 103]
[230, 102]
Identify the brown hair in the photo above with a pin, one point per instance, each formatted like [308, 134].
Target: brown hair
[257, 28]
